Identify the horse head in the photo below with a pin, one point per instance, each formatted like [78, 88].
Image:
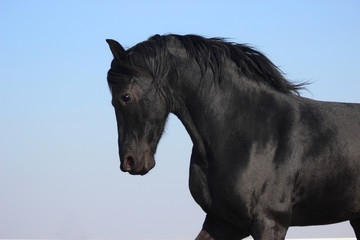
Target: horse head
[140, 109]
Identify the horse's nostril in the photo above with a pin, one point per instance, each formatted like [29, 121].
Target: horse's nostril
[128, 163]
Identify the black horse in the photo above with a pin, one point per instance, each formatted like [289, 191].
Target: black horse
[263, 157]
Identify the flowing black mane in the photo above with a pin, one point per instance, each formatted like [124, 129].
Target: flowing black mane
[212, 52]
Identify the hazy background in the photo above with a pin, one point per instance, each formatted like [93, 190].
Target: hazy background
[59, 168]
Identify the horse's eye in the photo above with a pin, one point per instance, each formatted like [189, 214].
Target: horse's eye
[126, 98]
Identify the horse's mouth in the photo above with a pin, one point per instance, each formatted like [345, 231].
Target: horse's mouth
[142, 171]
[133, 167]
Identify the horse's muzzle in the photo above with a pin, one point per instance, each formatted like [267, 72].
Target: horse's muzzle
[137, 165]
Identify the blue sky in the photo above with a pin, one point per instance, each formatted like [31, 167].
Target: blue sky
[59, 168]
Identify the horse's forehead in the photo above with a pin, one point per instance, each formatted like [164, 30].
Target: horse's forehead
[118, 67]
[121, 72]
[118, 79]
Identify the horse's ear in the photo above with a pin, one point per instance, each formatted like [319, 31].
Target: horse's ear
[117, 50]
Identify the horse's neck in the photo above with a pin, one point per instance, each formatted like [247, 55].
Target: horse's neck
[201, 101]
[207, 107]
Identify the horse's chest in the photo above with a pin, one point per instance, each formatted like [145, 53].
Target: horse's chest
[199, 187]
[213, 196]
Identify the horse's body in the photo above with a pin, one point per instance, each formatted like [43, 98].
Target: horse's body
[263, 158]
